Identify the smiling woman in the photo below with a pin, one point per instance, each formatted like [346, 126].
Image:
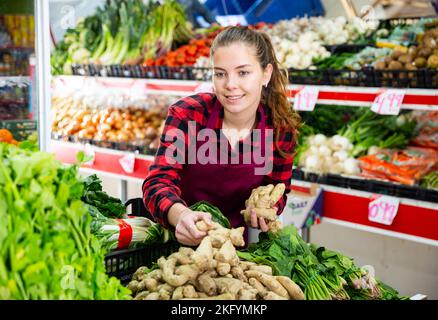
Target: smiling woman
[249, 96]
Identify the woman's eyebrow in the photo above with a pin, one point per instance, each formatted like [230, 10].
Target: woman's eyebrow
[238, 67]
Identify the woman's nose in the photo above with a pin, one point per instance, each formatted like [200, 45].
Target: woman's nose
[231, 82]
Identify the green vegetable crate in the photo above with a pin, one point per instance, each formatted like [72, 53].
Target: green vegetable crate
[123, 263]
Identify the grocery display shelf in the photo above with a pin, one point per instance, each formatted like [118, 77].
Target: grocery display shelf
[417, 220]
[105, 160]
[365, 77]
[375, 186]
[418, 99]
[139, 147]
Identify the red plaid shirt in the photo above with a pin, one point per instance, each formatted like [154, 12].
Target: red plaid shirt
[161, 186]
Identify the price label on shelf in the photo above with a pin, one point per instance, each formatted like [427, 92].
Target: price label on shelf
[388, 102]
[306, 98]
[383, 209]
[128, 162]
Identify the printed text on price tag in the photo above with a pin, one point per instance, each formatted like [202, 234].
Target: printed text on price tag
[388, 102]
[128, 162]
[306, 98]
[383, 209]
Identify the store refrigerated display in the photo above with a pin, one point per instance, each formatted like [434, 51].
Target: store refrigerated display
[18, 104]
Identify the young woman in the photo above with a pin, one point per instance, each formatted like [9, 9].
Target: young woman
[249, 96]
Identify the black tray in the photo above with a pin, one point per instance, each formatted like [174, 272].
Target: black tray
[123, 263]
[374, 186]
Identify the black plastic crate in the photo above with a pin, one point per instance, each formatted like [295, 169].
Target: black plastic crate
[357, 78]
[342, 48]
[307, 76]
[431, 79]
[400, 78]
[122, 264]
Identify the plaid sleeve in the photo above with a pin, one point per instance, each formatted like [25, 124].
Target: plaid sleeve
[160, 188]
[282, 168]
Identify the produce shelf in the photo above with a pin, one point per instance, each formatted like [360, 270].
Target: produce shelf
[105, 160]
[415, 221]
[368, 185]
[419, 99]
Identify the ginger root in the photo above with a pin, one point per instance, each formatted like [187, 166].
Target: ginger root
[262, 201]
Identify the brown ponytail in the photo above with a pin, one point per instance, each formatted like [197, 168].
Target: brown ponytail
[284, 118]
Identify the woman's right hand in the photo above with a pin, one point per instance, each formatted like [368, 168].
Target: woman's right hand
[186, 231]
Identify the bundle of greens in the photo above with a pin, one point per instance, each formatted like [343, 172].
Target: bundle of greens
[122, 32]
[132, 232]
[47, 250]
[321, 274]
[93, 195]
[430, 180]
[374, 130]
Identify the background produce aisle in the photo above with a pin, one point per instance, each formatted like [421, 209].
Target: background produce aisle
[110, 97]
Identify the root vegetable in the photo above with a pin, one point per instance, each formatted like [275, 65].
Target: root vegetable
[140, 273]
[133, 286]
[142, 295]
[228, 254]
[262, 268]
[203, 254]
[157, 274]
[273, 296]
[189, 291]
[178, 294]
[165, 291]
[247, 294]
[225, 296]
[149, 284]
[223, 268]
[269, 281]
[228, 285]
[261, 289]
[246, 265]
[153, 296]
[206, 284]
[169, 276]
[294, 291]
[237, 273]
[189, 270]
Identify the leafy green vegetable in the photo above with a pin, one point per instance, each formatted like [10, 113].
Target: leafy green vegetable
[216, 214]
[47, 250]
[94, 195]
[372, 129]
[322, 274]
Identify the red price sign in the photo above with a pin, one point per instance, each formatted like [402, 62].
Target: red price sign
[389, 102]
[306, 98]
[383, 209]
[128, 162]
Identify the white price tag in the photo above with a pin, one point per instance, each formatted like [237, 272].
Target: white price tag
[388, 102]
[383, 209]
[204, 87]
[89, 153]
[128, 162]
[306, 98]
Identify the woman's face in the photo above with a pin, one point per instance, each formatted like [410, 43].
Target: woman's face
[238, 78]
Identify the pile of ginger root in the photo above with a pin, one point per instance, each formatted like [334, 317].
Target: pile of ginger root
[212, 272]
